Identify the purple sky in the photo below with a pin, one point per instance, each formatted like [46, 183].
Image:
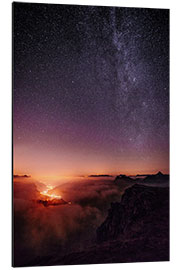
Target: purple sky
[91, 90]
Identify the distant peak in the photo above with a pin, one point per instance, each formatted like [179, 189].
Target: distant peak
[23, 176]
[122, 176]
[99, 175]
[159, 173]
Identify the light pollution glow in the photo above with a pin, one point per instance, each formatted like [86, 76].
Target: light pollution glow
[64, 166]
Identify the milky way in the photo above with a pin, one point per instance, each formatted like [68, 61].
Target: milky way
[92, 84]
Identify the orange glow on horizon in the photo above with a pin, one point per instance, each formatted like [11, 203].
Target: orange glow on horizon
[48, 164]
[64, 178]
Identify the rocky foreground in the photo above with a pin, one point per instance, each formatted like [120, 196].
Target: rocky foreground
[142, 212]
[135, 230]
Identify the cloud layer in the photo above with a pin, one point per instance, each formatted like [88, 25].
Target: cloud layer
[40, 230]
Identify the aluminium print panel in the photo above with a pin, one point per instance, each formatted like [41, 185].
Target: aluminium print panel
[90, 134]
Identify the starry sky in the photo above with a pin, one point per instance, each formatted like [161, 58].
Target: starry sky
[90, 90]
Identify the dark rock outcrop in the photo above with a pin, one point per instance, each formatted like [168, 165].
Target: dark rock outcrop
[52, 202]
[142, 212]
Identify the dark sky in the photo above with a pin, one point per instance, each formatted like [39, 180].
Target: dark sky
[91, 90]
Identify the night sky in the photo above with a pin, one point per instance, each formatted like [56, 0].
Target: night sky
[91, 90]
